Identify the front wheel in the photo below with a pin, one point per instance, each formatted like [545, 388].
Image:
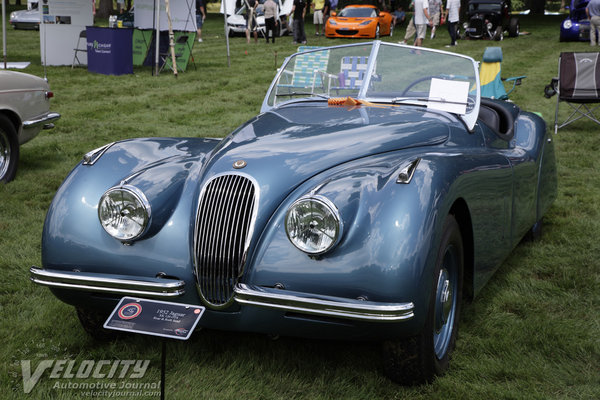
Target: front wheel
[377, 32]
[93, 323]
[9, 150]
[420, 358]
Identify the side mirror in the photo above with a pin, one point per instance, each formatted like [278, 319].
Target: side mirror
[333, 13]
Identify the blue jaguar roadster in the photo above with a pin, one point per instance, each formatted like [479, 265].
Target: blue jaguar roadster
[576, 27]
[364, 202]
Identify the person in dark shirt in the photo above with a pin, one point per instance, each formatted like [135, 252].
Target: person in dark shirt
[298, 13]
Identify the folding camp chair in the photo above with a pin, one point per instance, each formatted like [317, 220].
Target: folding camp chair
[491, 81]
[578, 85]
[307, 72]
[79, 48]
[165, 57]
[352, 73]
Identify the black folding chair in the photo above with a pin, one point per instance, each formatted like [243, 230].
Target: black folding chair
[78, 48]
[578, 85]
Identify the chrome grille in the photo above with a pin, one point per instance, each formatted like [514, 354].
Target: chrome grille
[224, 223]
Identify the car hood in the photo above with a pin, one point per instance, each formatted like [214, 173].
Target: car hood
[299, 141]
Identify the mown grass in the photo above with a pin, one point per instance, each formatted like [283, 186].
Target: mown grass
[532, 333]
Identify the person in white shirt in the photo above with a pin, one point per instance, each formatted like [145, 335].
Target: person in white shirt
[452, 13]
[422, 19]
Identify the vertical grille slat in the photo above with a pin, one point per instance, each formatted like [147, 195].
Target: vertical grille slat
[226, 212]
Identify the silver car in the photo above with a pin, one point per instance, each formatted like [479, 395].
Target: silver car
[25, 19]
[24, 112]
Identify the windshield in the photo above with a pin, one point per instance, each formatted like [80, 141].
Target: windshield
[382, 73]
[358, 12]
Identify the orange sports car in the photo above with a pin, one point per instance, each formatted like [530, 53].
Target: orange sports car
[359, 21]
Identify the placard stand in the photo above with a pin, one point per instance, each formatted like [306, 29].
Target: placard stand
[155, 318]
[163, 362]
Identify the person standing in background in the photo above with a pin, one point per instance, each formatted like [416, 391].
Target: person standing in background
[298, 13]
[200, 17]
[318, 16]
[593, 13]
[271, 20]
[435, 11]
[422, 19]
[452, 16]
[251, 20]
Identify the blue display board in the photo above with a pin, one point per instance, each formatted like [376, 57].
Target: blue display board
[109, 50]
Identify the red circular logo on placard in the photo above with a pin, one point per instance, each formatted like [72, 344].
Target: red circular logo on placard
[130, 311]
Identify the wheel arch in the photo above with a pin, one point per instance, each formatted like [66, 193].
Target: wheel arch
[13, 117]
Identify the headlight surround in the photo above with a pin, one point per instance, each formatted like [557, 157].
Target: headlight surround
[313, 224]
[367, 22]
[124, 212]
[331, 22]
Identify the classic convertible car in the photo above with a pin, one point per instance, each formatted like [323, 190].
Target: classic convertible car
[353, 206]
[359, 21]
[24, 112]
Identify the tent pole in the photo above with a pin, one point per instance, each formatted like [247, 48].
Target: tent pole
[226, 31]
[157, 24]
[4, 31]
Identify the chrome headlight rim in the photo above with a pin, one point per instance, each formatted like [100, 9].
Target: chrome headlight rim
[334, 212]
[143, 202]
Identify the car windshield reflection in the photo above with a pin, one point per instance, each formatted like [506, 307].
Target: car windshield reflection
[378, 72]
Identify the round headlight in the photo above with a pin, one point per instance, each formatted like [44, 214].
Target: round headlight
[124, 212]
[489, 26]
[313, 224]
[567, 24]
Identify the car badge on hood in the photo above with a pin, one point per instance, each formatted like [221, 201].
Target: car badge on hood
[239, 164]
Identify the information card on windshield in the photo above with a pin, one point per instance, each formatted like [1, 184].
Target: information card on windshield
[448, 95]
[153, 317]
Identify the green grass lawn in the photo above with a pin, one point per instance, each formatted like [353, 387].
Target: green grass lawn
[533, 333]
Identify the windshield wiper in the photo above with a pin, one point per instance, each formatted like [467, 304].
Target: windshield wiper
[428, 99]
[290, 94]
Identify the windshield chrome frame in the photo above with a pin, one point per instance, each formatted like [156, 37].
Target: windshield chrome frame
[469, 119]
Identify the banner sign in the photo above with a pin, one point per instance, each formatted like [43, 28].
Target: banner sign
[154, 317]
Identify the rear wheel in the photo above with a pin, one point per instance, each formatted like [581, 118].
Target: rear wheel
[514, 27]
[9, 150]
[419, 359]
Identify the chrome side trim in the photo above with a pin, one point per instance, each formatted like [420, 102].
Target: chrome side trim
[89, 282]
[329, 307]
[45, 120]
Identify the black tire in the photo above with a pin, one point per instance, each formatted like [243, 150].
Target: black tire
[92, 322]
[377, 32]
[9, 150]
[498, 34]
[514, 27]
[391, 30]
[419, 359]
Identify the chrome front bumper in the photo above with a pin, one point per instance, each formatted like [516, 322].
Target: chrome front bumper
[303, 303]
[333, 307]
[89, 282]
